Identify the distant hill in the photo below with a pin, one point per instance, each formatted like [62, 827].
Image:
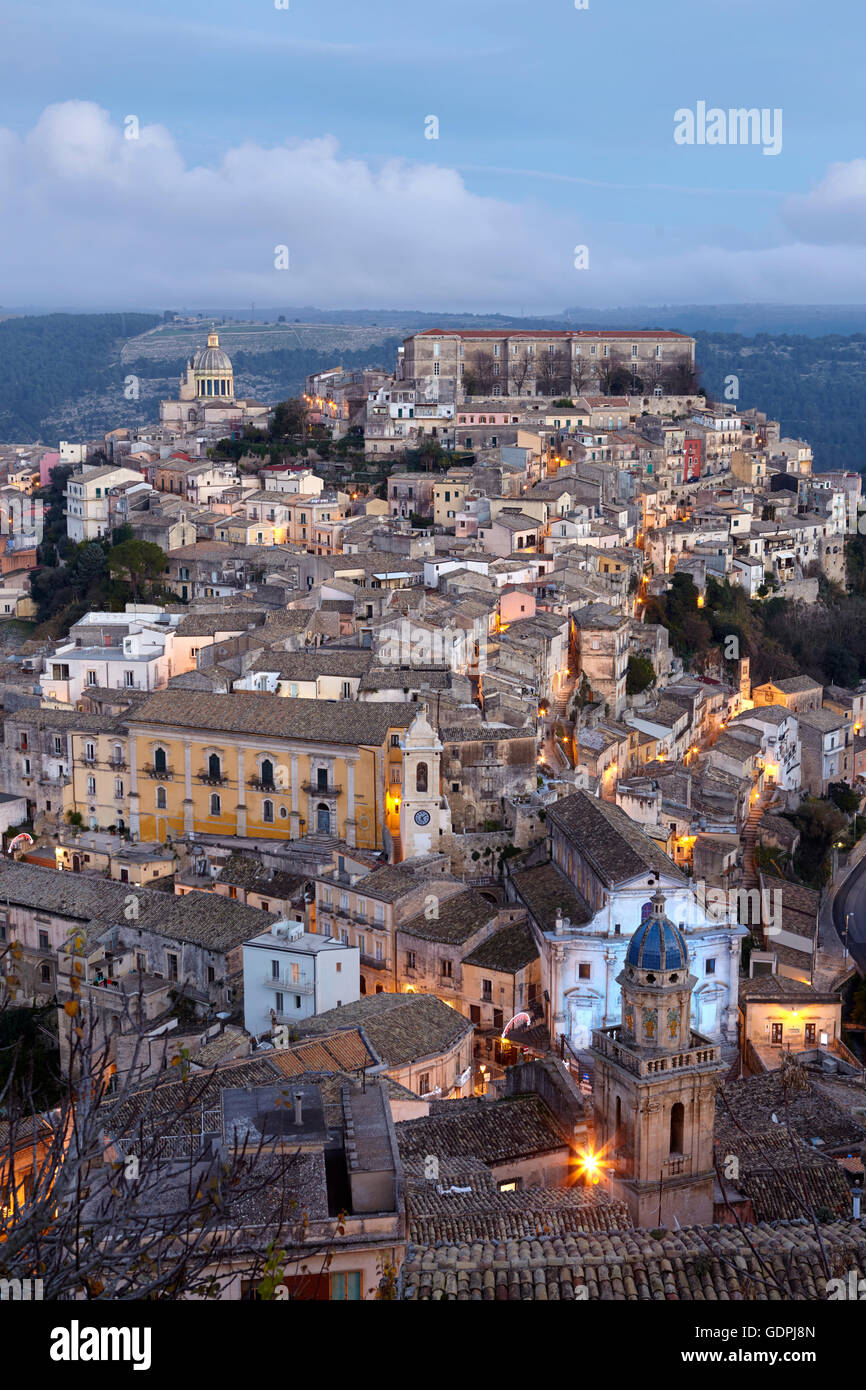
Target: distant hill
[49, 360]
[63, 375]
[816, 387]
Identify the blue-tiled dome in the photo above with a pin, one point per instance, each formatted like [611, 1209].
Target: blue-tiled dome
[657, 944]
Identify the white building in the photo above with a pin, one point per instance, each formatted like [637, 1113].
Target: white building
[586, 903]
[780, 756]
[290, 974]
[87, 506]
[112, 651]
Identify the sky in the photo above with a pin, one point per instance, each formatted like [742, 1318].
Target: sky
[283, 155]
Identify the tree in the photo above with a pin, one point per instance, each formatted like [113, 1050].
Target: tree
[554, 373]
[842, 796]
[141, 562]
[680, 378]
[483, 373]
[581, 374]
[519, 369]
[88, 565]
[290, 419]
[122, 1189]
[613, 375]
[640, 675]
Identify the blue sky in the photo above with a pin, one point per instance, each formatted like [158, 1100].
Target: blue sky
[305, 127]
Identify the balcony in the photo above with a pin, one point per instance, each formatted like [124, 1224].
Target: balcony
[374, 963]
[165, 774]
[315, 790]
[258, 785]
[302, 985]
[208, 781]
[701, 1053]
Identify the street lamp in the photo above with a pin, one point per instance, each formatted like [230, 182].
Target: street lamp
[847, 920]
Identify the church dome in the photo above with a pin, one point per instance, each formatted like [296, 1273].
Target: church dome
[212, 358]
[658, 944]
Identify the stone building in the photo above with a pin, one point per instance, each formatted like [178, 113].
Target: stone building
[543, 362]
[654, 1084]
[589, 899]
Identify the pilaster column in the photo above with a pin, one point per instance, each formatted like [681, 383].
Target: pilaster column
[295, 813]
[134, 800]
[241, 806]
[188, 806]
[350, 804]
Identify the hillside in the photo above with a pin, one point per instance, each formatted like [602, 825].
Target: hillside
[63, 375]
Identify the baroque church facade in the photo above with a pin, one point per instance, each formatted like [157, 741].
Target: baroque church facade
[207, 394]
[588, 901]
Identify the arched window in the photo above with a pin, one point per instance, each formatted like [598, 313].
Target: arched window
[268, 811]
[160, 799]
[677, 1120]
[159, 760]
[421, 777]
[214, 768]
[267, 772]
[215, 805]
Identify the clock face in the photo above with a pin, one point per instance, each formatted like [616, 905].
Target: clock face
[422, 817]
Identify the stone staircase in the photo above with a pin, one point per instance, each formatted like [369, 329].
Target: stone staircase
[750, 835]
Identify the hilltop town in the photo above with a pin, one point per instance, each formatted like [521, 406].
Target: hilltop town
[412, 780]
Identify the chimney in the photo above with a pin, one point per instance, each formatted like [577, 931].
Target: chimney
[559, 922]
[857, 1195]
[299, 1107]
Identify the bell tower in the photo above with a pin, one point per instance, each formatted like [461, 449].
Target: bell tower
[423, 809]
[655, 1085]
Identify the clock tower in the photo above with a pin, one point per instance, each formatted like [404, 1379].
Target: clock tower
[425, 819]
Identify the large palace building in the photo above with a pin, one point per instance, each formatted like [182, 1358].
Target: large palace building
[542, 362]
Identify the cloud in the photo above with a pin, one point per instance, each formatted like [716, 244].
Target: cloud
[834, 212]
[94, 215]
[93, 219]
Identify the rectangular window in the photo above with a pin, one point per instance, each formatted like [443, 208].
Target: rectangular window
[710, 967]
[279, 1003]
[172, 966]
[44, 941]
[446, 970]
[346, 1286]
[584, 970]
[424, 1083]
